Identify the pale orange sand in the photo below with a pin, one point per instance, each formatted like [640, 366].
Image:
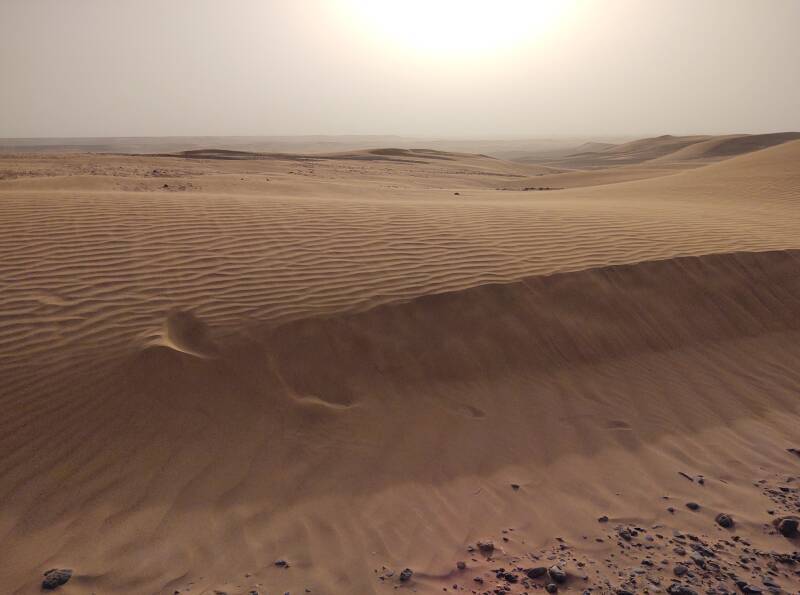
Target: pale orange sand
[207, 365]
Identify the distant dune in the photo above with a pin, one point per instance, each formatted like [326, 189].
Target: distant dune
[730, 146]
[358, 361]
[667, 148]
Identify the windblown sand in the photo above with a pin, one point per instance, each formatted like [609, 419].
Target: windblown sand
[212, 362]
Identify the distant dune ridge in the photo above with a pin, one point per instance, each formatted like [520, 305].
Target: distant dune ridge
[357, 361]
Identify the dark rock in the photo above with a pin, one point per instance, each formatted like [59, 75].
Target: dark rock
[748, 588]
[679, 589]
[551, 588]
[55, 578]
[509, 577]
[487, 547]
[724, 520]
[461, 565]
[625, 534]
[680, 570]
[281, 564]
[692, 506]
[603, 519]
[703, 550]
[787, 525]
[557, 574]
[406, 574]
[536, 572]
[784, 559]
[515, 486]
[623, 592]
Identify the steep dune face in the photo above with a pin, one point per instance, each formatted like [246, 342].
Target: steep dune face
[347, 369]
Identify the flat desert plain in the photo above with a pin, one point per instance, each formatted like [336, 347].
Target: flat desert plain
[397, 370]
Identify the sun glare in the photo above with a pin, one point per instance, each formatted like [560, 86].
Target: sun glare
[456, 26]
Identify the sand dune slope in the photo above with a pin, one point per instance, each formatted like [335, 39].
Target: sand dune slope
[658, 158]
[391, 437]
[669, 149]
[349, 374]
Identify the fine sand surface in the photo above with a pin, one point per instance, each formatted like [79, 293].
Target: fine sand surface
[365, 361]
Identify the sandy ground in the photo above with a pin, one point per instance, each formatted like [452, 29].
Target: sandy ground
[362, 362]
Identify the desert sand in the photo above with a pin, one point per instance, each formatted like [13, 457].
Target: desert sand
[236, 372]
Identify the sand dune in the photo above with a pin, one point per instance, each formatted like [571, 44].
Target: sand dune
[642, 161]
[729, 146]
[212, 364]
[665, 149]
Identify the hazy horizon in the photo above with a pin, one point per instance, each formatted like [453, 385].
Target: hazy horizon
[507, 69]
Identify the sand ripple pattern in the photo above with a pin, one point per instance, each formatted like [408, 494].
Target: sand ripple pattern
[90, 275]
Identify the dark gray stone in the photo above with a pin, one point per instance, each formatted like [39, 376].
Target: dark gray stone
[55, 578]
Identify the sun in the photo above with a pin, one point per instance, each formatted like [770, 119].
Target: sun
[456, 26]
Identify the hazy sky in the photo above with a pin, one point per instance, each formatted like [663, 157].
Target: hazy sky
[412, 67]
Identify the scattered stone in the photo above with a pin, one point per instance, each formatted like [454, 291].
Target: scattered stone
[515, 486]
[703, 550]
[536, 572]
[680, 570]
[509, 577]
[551, 588]
[406, 574]
[557, 574]
[692, 506]
[487, 547]
[679, 589]
[281, 564]
[787, 525]
[603, 519]
[461, 565]
[699, 560]
[724, 520]
[55, 578]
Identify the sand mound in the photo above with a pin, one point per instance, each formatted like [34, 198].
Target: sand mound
[185, 332]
